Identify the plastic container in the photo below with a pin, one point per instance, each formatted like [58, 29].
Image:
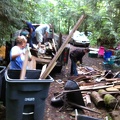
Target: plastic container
[93, 54]
[25, 99]
[84, 117]
[107, 55]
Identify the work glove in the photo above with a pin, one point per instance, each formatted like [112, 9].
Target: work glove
[78, 63]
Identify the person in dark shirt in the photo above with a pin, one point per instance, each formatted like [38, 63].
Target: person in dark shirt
[76, 56]
[31, 30]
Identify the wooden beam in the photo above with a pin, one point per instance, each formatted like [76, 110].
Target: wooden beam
[48, 69]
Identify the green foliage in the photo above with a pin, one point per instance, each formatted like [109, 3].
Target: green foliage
[102, 16]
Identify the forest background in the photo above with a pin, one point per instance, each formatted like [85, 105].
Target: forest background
[102, 17]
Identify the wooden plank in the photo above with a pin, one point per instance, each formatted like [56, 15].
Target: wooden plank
[23, 71]
[48, 70]
[54, 45]
[42, 60]
[32, 63]
[43, 69]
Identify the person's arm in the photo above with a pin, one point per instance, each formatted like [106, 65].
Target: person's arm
[15, 52]
[15, 56]
[31, 30]
[46, 35]
[47, 31]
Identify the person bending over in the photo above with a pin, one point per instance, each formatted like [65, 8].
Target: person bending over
[76, 56]
[42, 32]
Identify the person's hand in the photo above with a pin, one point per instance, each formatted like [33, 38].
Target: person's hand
[78, 63]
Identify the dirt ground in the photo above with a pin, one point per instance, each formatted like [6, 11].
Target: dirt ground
[53, 113]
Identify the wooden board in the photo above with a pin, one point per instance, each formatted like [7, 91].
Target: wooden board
[32, 64]
[112, 89]
[43, 69]
[117, 87]
[23, 71]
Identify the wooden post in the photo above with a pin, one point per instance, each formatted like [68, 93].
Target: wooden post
[48, 69]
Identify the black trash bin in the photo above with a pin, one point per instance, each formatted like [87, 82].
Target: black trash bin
[2, 83]
[25, 99]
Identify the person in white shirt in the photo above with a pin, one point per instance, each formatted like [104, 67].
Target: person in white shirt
[17, 53]
[42, 32]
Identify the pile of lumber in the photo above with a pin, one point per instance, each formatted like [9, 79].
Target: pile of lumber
[102, 88]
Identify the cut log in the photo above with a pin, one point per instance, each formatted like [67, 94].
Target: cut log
[97, 100]
[102, 92]
[48, 70]
[110, 101]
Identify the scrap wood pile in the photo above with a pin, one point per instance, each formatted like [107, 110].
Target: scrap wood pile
[45, 51]
[101, 88]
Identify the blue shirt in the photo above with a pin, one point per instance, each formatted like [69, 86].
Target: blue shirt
[16, 63]
[29, 25]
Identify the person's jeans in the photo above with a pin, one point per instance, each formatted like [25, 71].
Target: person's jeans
[73, 68]
[31, 39]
